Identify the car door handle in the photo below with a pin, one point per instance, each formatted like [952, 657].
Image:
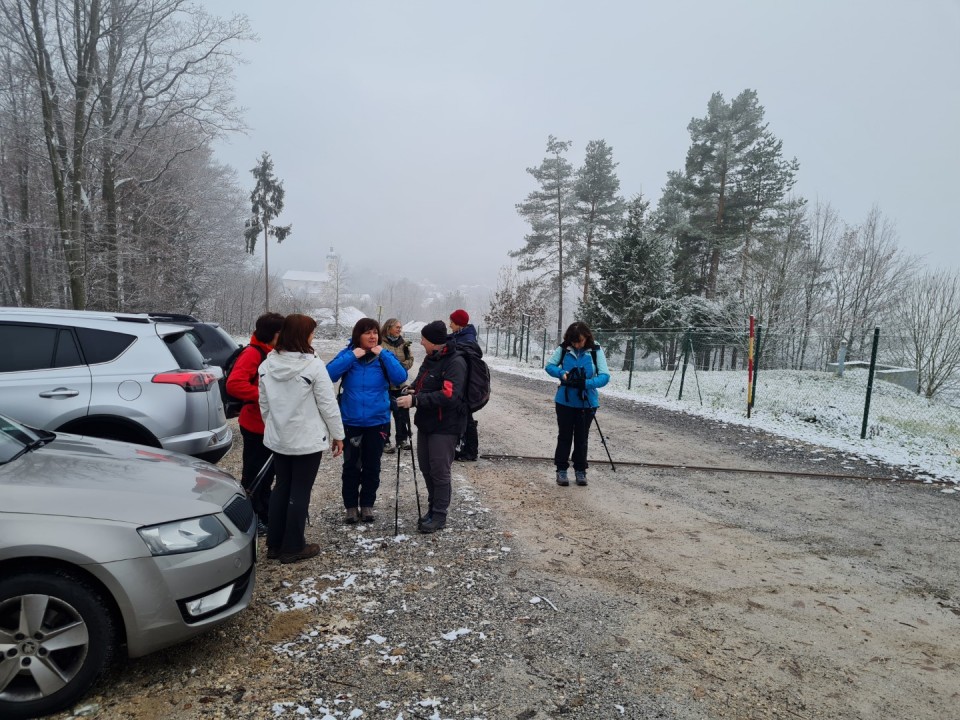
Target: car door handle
[59, 392]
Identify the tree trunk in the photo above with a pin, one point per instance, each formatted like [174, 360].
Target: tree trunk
[587, 257]
[110, 242]
[23, 171]
[266, 271]
[560, 260]
[711, 290]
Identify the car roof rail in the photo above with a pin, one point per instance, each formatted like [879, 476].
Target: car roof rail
[173, 317]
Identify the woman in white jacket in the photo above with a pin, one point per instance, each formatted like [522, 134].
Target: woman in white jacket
[301, 419]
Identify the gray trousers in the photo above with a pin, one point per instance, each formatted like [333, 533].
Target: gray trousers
[435, 455]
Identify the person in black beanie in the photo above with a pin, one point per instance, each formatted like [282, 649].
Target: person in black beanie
[441, 417]
[465, 336]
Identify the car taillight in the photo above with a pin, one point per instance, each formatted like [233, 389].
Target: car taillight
[189, 380]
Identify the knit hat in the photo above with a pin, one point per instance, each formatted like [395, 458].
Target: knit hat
[435, 332]
[460, 317]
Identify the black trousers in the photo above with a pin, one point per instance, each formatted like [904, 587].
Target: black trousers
[290, 501]
[573, 427]
[469, 445]
[255, 454]
[435, 455]
[362, 450]
[401, 419]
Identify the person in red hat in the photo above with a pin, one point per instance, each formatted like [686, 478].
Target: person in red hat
[464, 335]
[243, 383]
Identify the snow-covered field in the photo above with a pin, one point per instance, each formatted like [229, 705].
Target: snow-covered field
[815, 407]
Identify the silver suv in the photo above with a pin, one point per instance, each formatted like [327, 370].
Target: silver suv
[111, 375]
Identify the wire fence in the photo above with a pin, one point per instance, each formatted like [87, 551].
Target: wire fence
[862, 389]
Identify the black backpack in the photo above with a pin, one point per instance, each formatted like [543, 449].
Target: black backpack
[478, 377]
[231, 404]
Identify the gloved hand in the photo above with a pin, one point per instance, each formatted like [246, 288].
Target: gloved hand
[575, 379]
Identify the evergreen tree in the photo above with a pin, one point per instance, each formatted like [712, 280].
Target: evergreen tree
[634, 279]
[599, 206]
[734, 181]
[688, 242]
[551, 213]
[266, 202]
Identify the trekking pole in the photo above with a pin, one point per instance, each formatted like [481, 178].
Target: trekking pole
[413, 460]
[603, 440]
[260, 476]
[396, 507]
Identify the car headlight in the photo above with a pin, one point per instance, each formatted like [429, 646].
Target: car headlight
[184, 536]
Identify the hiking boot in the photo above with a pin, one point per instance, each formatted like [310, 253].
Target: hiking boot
[261, 528]
[432, 525]
[562, 478]
[352, 516]
[580, 476]
[425, 519]
[310, 550]
[464, 457]
[404, 445]
[366, 514]
[389, 448]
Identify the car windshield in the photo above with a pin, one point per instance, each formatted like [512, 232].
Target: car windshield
[16, 439]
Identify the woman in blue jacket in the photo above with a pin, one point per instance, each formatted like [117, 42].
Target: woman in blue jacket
[581, 367]
[365, 371]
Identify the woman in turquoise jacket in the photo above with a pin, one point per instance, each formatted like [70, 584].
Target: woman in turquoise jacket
[581, 367]
[365, 371]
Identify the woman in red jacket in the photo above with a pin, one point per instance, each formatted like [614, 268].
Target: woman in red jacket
[243, 384]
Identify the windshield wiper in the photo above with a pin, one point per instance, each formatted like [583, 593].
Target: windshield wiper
[33, 445]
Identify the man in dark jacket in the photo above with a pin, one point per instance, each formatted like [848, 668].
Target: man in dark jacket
[243, 384]
[465, 336]
[441, 417]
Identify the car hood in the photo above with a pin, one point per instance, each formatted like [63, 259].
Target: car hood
[77, 477]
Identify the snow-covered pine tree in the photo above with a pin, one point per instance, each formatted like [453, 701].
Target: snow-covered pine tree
[599, 206]
[735, 179]
[266, 203]
[551, 213]
[633, 274]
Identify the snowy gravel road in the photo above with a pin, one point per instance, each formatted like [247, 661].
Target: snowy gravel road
[650, 593]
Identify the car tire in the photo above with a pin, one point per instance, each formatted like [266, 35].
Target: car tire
[71, 638]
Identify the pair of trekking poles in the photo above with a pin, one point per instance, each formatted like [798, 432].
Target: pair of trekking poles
[396, 513]
[416, 487]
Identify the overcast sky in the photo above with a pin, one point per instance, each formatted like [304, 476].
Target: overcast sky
[402, 130]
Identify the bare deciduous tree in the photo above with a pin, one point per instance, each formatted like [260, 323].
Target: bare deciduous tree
[401, 298]
[867, 269]
[115, 94]
[514, 298]
[928, 310]
[338, 274]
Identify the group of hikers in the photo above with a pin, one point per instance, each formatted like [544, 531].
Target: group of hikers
[292, 413]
